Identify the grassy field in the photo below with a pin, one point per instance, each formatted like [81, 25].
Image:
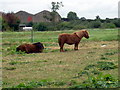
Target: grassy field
[96, 60]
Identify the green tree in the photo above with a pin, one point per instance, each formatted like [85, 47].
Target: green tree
[117, 22]
[107, 20]
[55, 6]
[72, 16]
[10, 21]
[97, 17]
[83, 18]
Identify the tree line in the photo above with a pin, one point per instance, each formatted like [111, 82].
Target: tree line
[11, 23]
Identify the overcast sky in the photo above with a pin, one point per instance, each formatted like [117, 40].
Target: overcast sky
[83, 8]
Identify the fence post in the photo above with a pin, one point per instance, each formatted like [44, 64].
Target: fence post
[32, 38]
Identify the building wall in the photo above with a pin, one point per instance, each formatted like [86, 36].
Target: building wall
[44, 16]
[24, 16]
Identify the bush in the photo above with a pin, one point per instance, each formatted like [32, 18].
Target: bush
[95, 24]
[79, 27]
[40, 27]
[64, 25]
[108, 25]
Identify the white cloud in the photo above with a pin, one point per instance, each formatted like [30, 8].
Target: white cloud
[83, 8]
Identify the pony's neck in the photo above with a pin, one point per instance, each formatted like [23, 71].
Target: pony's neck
[81, 35]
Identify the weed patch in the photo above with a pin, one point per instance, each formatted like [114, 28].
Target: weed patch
[13, 63]
[102, 66]
[106, 65]
[35, 84]
[91, 52]
[16, 62]
[103, 57]
[110, 53]
[89, 67]
[100, 81]
[95, 72]
[39, 61]
[96, 68]
[9, 68]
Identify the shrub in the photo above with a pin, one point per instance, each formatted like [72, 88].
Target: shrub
[64, 25]
[95, 24]
[40, 27]
[79, 27]
[108, 25]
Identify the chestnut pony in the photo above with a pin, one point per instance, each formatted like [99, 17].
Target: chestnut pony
[31, 48]
[73, 38]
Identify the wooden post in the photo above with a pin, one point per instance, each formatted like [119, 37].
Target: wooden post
[32, 36]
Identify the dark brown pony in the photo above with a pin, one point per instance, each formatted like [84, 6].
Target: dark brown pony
[70, 39]
[31, 48]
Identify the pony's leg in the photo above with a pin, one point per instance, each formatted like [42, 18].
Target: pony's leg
[76, 46]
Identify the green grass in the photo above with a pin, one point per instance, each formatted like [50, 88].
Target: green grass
[53, 69]
[50, 36]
